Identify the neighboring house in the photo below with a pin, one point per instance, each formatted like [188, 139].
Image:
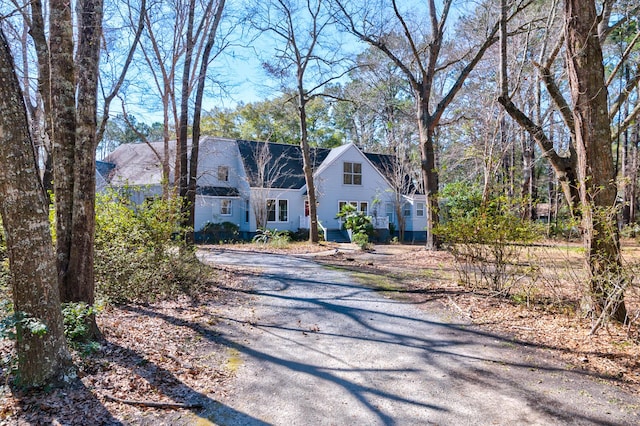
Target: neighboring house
[261, 184]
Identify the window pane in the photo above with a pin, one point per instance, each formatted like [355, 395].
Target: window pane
[348, 179]
[364, 207]
[357, 179]
[225, 207]
[223, 173]
[283, 214]
[357, 168]
[271, 210]
[348, 167]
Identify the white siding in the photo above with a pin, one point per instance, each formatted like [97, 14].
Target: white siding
[332, 190]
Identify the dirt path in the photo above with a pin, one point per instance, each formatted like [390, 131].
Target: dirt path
[312, 347]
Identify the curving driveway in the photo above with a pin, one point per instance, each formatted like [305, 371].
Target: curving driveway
[312, 347]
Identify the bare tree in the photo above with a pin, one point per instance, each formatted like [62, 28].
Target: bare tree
[304, 62]
[42, 352]
[192, 181]
[422, 66]
[263, 180]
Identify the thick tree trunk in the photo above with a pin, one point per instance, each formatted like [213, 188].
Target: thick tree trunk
[80, 284]
[41, 359]
[63, 129]
[595, 160]
[429, 172]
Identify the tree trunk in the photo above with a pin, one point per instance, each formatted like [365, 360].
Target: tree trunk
[80, 284]
[308, 168]
[182, 173]
[595, 160]
[564, 167]
[41, 359]
[429, 171]
[197, 112]
[63, 129]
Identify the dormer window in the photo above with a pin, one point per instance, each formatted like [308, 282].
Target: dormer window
[223, 173]
[352, 174]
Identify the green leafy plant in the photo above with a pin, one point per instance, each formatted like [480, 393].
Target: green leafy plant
[219, 232]
[361, 239]
[138, 257]
[488, 242]
[10, 323]
[75, 316]
[354, 220]
[272, 237]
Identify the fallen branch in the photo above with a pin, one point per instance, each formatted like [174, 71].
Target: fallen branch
[466, 314]
[152, 403]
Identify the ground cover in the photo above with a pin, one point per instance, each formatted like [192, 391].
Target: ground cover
[155, 354]
[544, 313]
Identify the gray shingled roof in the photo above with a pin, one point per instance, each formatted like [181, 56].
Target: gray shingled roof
[137, 163]
[385, 163]
[217, 191]
[283, 163]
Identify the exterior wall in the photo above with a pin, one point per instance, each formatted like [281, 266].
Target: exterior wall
[220, 152]
[213, 154]
[208, 209]
[138, 193]
[416, 222]
[295, 204]
[332, 189]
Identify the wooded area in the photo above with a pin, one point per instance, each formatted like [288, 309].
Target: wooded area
[532, 104]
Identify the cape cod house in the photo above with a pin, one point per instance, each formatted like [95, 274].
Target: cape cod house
[254, 184]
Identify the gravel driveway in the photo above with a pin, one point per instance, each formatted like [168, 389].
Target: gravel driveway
[312, 347]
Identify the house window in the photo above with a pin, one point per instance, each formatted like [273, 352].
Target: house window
[406, 209]
[277, 209]
[388, 210]
[419, 209]
[225, 207]
[271, 210]
[364, 207]
[283, 210]
[352, 174]
[223, 173]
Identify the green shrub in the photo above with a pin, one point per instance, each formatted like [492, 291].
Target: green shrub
[219, 232]
[488, 242]
[75, 316]
[355, 221]
[361, 239]
[460, 199]
[273, 237]
[137, 255]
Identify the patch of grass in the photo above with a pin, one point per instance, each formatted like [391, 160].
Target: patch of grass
[381, 283]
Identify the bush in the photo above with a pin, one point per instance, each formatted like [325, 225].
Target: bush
[219, 232]
[75, 316]
[361, 239]
[273, 237]
[355, 221]
[137, 258]
[487, 244]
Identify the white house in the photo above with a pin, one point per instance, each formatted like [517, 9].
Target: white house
[249, 182]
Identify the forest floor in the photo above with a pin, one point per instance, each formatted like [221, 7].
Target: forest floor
[155, 354]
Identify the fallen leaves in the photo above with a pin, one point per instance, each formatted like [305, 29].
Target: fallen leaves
[154, 357]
